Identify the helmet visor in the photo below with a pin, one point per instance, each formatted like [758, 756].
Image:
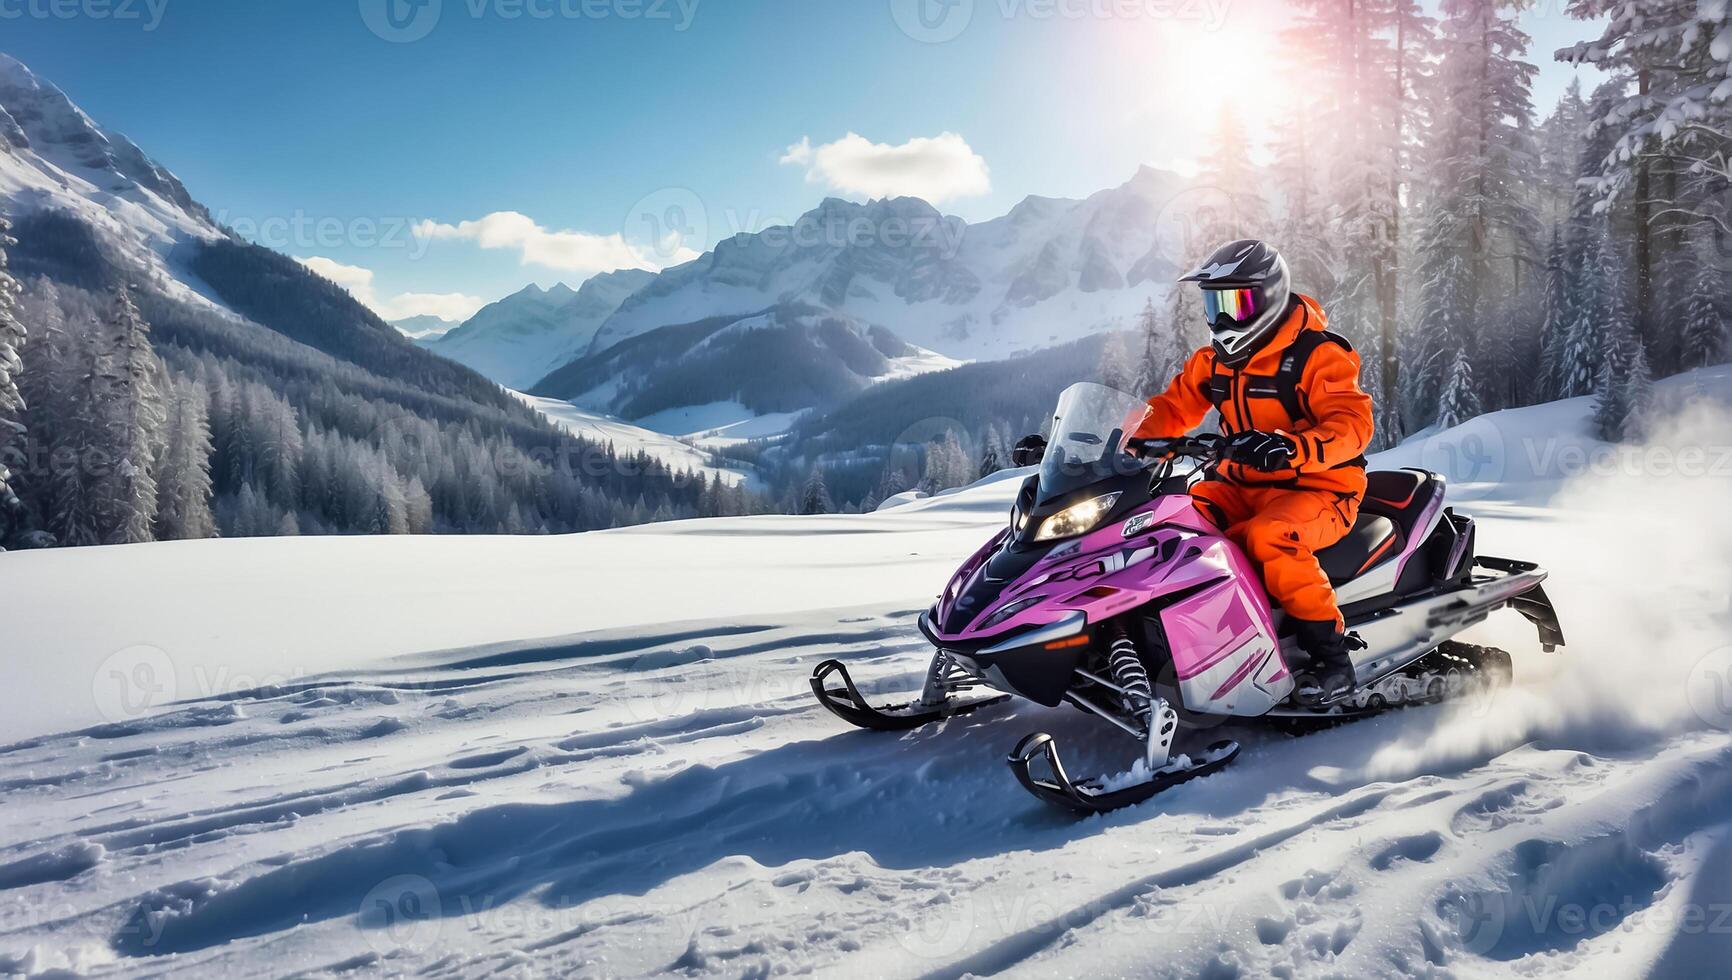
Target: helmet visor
[1237, 305]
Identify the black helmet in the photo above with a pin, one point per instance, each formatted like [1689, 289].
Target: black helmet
[1245, 296]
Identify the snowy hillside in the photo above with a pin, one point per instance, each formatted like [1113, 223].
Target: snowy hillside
[54, 157]
[627, 438]
[1050, 271]
[785, 359]
[597, 755]
[519, 339]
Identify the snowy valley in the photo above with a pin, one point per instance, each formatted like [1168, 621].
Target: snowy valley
[597, 755]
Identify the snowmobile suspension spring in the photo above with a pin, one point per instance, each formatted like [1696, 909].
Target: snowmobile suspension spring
[1129, 673]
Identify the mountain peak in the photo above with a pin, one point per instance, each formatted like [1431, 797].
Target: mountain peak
[37, 116]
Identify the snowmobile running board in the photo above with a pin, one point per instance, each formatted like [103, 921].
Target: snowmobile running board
[1090, 796]
[846, 703]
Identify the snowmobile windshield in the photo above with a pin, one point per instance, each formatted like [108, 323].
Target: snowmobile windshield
[1088, 439]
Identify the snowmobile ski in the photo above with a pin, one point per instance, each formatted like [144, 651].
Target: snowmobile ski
[1091, 795]
[848, 704]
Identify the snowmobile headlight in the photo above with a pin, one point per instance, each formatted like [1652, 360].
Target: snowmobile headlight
[1077, 518]
[1007, 612]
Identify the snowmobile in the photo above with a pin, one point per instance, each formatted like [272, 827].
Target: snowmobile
[1110, 591]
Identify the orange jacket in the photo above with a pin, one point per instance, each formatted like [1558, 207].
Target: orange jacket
[1332, 431]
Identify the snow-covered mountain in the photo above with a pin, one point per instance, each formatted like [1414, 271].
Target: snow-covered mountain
[425, 327]
[785, 359]
[54, 157]
[601, 756]
[1050, 271]
[521, 338]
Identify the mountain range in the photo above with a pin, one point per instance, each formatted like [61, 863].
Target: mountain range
[521, 338]
[1049, 272]
[296, 407]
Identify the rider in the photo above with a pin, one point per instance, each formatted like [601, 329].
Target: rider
[1295, 425]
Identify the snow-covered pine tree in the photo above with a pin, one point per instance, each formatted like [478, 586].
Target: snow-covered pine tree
[815, 495]
[12, 338]
[1555, 318]
[1167, 340]
[993, 455]
[1460, 401]
[1482, 225]
[1599, 283]
[1562, 138]
[1443, 328]
[1669, 127]
[1704, 331]
[1235, 206]
[1365, 61]
[1302, 226]
[1638, 395]
[1118, 367]
[183, 486]
[1612, 384]
[131, 413]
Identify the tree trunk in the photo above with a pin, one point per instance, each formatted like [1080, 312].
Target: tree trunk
[1644, 234]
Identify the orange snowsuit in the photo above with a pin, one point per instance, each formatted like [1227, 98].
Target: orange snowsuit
[1306, 388]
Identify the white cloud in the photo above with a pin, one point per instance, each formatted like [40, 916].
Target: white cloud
[568, 251]
[359, 282]
[937, 168]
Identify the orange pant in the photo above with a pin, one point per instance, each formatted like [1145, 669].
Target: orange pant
[1282, 530]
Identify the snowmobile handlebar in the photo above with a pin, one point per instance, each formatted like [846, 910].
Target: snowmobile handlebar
[1204, 448]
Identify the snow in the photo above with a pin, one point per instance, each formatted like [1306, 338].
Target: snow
[719, 423]
[628, 438]
[597, 755]
[1054, 242]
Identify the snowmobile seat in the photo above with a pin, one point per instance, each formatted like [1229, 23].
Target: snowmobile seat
[1395, 500]
[1403, 496]
[1373, 540]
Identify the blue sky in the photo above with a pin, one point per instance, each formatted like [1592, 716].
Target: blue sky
[330, 128]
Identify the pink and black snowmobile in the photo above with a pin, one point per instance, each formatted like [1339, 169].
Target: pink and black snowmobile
[1110, 591]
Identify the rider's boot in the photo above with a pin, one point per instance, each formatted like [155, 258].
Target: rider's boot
[1330, 676]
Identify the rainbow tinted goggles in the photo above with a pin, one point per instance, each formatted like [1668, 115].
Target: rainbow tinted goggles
[1238, 305]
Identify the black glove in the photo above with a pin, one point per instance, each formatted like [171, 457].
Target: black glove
[1264, 452]
[1028, 451]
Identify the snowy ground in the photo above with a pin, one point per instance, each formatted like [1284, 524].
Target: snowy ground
[596, 755]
